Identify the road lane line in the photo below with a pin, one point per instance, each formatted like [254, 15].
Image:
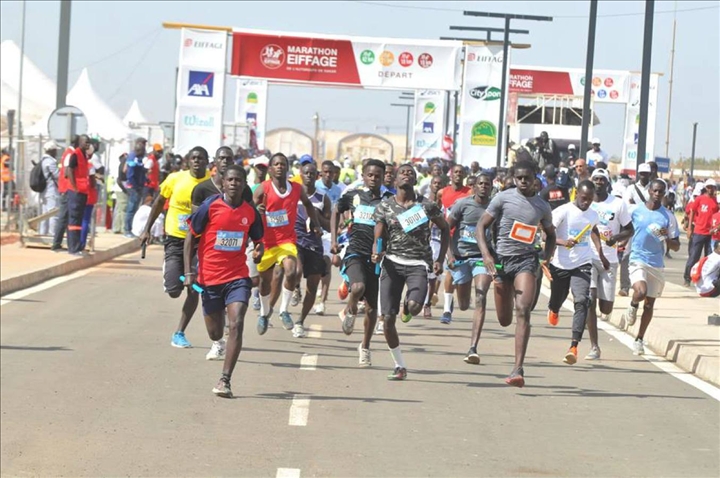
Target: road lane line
[660, 362]
[308, 362]
[299, 411]
[315, 331]
[43, 286]
[288, 473]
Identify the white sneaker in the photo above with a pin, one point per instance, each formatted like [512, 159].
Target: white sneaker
[631, 315]
[299, 331]
[605, 318]
[320, 308]
[638, 347]
[594, 354]
[379, 329]
[361, 307]
[364, 354]
[217, 351]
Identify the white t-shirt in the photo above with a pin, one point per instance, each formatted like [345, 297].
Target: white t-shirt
[709, 274]
[593, 157]
[569, 221]
[631, 194]
[614, 214]
[140, 219]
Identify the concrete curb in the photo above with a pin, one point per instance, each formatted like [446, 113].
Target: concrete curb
[689, 355]
[23, 281]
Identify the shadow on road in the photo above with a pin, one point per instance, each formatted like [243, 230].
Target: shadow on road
[35, 349]
[290, 395]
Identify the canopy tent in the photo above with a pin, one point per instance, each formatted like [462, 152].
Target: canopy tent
[134, 116]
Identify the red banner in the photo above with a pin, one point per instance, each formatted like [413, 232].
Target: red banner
[540, 82]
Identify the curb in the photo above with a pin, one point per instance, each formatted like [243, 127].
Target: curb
[23, 281]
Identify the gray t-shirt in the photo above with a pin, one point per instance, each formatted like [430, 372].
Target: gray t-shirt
[466, 213]
[518, 217]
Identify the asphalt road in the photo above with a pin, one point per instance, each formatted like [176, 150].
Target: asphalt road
[92, 387]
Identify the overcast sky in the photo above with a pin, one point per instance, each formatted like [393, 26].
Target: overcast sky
[130, 56]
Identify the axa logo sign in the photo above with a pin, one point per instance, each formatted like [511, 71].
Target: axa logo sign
[201, 84]
[485, 93]
[428, 127]
[272, 56]
[189, 42]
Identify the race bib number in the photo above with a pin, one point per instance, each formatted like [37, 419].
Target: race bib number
[230, 241]
[413, 218]
[523, 233]
[605, 233]
[277, 218]
[573, 233]
[183, 224]
[364, 215]
[467, 234]
[654, 230]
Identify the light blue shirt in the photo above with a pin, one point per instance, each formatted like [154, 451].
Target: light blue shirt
[333, 192]
[647, 243]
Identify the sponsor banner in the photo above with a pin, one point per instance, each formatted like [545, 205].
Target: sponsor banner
[608, 86]
[251, 107]
[200, 90]
[429, 125]
[354, 61]
[632, 122]
[480, 106]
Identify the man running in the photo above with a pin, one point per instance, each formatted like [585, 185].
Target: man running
[178, 188]
[403, 222]
[576, 226]
[311, 265]
[519, 212]
[613, 227]
[357, 267]
[436, 184]
[652, 226]
[464, 253]
[276, 201]
[325, 185]
[223, 224]
[448, 196]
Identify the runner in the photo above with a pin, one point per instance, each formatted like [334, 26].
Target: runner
[464, 253]
[436, 184]
[518, 212]
[312, 264]
[403, 224]
[357, 268]
[613, 227]
[276, 202]
[448, 196]
[223, 225]
[576, 226]
[326, 186]
[178, 188]
[652, 226]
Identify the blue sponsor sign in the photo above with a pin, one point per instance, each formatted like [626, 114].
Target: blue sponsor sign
[428, 127]
[201, 84]
[663, 164]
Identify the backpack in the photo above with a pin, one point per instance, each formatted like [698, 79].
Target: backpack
[38, 181]
[696, 271]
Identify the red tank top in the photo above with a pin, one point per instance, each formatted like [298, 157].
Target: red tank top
[280, 214]
[450, 195]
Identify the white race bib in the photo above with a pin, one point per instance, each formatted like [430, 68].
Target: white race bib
[277, 218]
[230, 241]
[412, 218]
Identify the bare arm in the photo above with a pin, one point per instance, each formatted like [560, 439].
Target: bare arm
[550, 242]
[324, 216]
[451, 223]
[311, 211]
[595, 238]
[442, 224]
[188, 248]
[483, 224]
[380, 233]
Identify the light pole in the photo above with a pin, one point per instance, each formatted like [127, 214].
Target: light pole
[589, 59]
[692, 155]
[645, 82]
[63, 53]
[316, 119]
[405, 96]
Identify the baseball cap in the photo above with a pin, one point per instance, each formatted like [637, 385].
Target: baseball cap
[651, 160]
[157, 147]
[595, 141]
[337, 164]
[710, 182]
[698, 189]
[260, 161]
[600, 172]
[50, 145]
[550, 171]
[572, 146]
[306, 158]
[644, 168]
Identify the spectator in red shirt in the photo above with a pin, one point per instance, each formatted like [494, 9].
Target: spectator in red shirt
[701, 212]
[715, 228]
[152, 176]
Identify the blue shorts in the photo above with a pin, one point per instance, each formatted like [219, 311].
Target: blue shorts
[464, 271]
[216, 297]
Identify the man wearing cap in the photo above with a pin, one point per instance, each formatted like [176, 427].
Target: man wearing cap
[701, 212]
[259, 171]
[552, 193]
[571, 155]
[596, 154]
[49, 198]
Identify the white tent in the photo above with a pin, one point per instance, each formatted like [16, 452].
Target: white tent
[134, 116]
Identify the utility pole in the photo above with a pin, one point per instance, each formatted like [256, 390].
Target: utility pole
[645, 82]
[63, 53]
[406, 96]
[692, 155]
[589, 60]
[316, 119]
[670, 86]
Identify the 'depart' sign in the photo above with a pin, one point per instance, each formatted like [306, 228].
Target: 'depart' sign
[348, 61]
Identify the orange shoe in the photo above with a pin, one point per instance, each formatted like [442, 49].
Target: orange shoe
[571, 356]
[343, 290]
[553, 318]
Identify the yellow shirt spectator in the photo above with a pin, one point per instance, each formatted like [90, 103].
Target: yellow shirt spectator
[178, 188]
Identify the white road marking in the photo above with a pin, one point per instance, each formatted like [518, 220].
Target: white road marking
[315, 331]
[308, 362]
[299, 411]
[288, 473]
[660, 362]
[43, 286]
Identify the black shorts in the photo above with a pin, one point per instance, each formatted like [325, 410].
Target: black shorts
[514, 265]
[313, 263]
[216, 297]
[174, 265]
[361, 270]
[394, 278]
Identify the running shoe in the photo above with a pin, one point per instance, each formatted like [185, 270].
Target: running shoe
[472, 357]
[256, 302]
[287, 320]
[638, 347]
[594, 354]
[571, 356]
[427, 312]
[343, 290]
[299, 331]
[320, 308]
[446, 318]
[400, 373]
[434, 300]
[222, 389]
[348, 321]
[263, 322]
[605, 317]
[553, 318]
[380, 327]
[179, 341]
[361, 307]
[296, 297]
[406, 317]
[364, 357]
[217, 351]
[631, 315]
[623, 293]
[516, 378]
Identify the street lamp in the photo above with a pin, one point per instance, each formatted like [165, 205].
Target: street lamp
[316, 119]
[692, 155]
[407, 122]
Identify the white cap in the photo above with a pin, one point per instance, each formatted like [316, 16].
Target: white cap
[572, 146]
[260, 161]
[600, 172]
[710, 182]
[651, 160]
[618, 189]
[595, 141]
[698, 189]
[644, 168]
[337, 164]
[50, 145]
